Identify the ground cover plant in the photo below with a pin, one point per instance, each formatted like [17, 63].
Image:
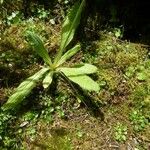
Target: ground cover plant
[59, 120]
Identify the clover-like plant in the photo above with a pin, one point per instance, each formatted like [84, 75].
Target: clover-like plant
[77, 74]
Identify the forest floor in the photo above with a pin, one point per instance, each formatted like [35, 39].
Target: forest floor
[58, 121]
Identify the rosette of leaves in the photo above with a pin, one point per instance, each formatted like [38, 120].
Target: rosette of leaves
[78, 74]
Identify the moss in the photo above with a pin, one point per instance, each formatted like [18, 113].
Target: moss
[123, 66]
[125, 59]
[13, 39]
[111, 77]
[51, 138]
[55, 142]
[14, 36]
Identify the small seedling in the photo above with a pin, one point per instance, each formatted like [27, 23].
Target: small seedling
[138, 121]
[42, 13]
[14, 18]
[120, 132]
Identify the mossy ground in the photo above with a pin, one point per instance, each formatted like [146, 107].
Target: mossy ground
[58, 121]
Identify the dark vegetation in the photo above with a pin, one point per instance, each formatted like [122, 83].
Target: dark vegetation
[114, 36]
[131, 16]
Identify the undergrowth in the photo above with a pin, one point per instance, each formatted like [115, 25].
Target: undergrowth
[124, 79]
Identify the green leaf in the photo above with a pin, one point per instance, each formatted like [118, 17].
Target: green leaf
[48, 80]
[130, 71]
[23, 90]
[39, 47]
[69, 54]
[1, 1]
[142, 76]
[84, 69]
[85, 82]
[69, 26]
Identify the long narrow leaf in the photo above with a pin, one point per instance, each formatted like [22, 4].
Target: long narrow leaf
[85, 82]
[69, 54]
[84, 69]
[69, 26]
[23, 90]
[39, 47]
[48, 80]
